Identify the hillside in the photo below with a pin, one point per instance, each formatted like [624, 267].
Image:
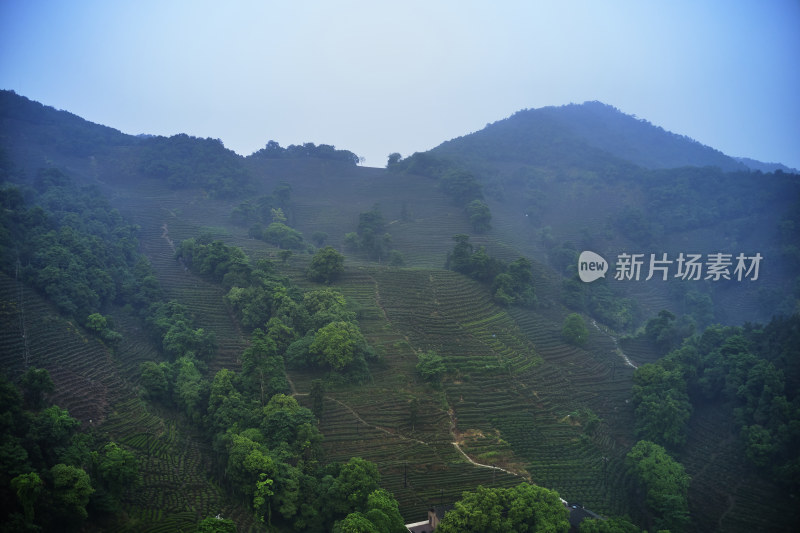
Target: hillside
[516, 401]
[550, 134]
[561, 180]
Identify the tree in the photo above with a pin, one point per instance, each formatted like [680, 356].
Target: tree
[282, 236]
[384, 512]
[394, 158]
[28, 487]
[431, 367]
[664, 482]
[355, 522]
[261, 498]
[522, 509]
[461, 186]
[154, 380]
[190, 387]
[71, 491]
[118, 468]
[51, 430]
[662, 404]
[575, 330]
[479, 215]
[337, 344]
[326, 265]
[216, 524]
[357, 479]
[325, 306]
[36, 382]
[381, 515]
[99, 324]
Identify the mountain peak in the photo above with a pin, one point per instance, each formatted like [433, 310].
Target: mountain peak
[595, 130]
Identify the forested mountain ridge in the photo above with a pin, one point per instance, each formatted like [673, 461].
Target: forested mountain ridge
[559, 180]
[303, 316]
[599, 126]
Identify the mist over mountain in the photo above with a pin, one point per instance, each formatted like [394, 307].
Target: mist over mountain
[289, 340]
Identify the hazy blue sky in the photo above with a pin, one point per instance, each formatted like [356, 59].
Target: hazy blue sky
[377, 77]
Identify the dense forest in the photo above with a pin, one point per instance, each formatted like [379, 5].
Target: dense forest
[195, 340]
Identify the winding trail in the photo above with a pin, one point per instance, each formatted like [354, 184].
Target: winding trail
[616, 345]
[400, 436]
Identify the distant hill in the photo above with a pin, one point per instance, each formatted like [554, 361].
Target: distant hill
[27, 123]
[765, 167]
[589, 133]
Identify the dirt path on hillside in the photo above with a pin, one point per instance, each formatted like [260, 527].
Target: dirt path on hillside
[166, 237]
[616, 345]
[454, 434]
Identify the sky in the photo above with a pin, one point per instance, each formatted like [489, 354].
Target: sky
[376, 77]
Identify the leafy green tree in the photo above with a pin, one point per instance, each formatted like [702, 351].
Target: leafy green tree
[396, 258]
[261, 497]
[190, 388]
[524, 508]
[262, 368]
[118, 468]
[662, 405]
[667, 331]
[503, 289]
[431, 367]
[154, 380]
[357, 479]
[28, 487]
[50, 432]
[355, 522]
[459, 258]
[282, 421]
[479, 215]
[575, 330]
[393, 159]
[337, 344]
[71, 491]
[461, 186]
[253, 305]
[371, 235]
[36, 383]
[325, 306]
[665, 484]
[216, 524]
[326, 265]
[283, 236]
[384, 511]
[99, 324]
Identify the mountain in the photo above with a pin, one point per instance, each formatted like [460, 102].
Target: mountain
[582, 133]
[192, 264]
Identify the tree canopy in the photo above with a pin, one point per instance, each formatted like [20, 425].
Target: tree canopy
[519, 509]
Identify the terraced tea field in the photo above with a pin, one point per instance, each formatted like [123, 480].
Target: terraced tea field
[98, 388]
